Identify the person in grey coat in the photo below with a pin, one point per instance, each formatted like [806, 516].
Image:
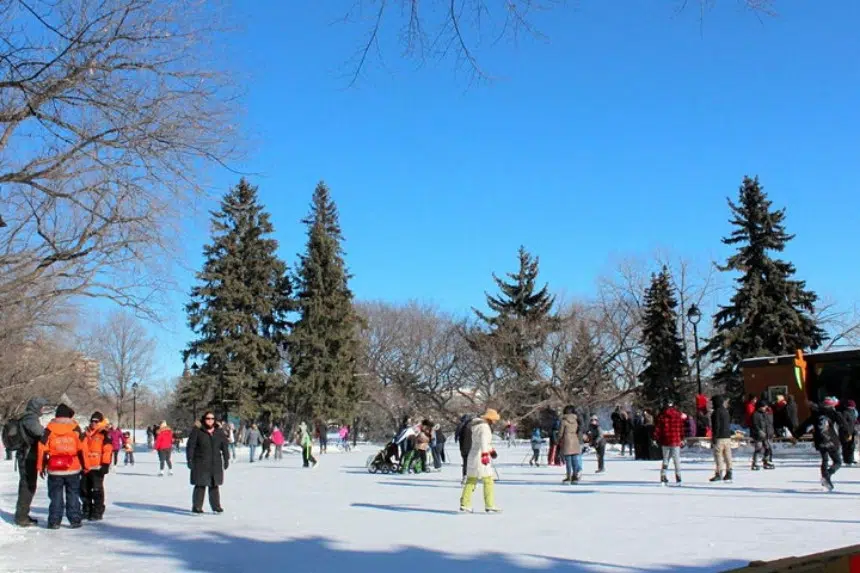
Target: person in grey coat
[253, 438]
[27, 476]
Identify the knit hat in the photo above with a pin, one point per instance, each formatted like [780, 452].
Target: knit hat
[64, 411]
[831, 401]
[97, 417]
[491, 415]
[851, 404]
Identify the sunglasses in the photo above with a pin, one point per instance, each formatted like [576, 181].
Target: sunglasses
[208, 418]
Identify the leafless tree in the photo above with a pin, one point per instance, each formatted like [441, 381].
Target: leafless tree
[108, 110]
[841, 323]
[125, 350]
[462, 29]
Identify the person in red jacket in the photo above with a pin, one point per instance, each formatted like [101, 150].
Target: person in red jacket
[749, 409]
[99, 450]
[669, 434]
[164, 447]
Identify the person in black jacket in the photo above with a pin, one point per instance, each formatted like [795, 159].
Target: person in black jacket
[463, 437]
[791, 413]
[846, 435]
[761, 432]
[824, 421]
[27, 476]
[721, 438]
[208, 455]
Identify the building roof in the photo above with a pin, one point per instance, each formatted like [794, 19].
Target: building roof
[827, 356]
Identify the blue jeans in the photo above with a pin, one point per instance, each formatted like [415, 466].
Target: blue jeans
[574, 464]
[253, 451]
[65, 495]
[233, 450]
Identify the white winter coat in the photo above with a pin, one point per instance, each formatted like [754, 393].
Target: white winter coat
[482, 442]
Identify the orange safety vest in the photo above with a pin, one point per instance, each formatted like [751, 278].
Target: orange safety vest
[98, 446]
[62, 448]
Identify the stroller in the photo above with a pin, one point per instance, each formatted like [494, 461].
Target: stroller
[382, 461]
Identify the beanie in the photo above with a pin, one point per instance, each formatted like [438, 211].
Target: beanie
[97, 417]
[64, 411]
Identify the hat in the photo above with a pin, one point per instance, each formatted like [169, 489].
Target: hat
[831, 401]
[64, 411]
[97, 417]
[491, 415]
[851, 404]
[594, 418]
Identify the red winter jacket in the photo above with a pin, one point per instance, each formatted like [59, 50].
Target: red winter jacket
[164, 439]
[669, 428]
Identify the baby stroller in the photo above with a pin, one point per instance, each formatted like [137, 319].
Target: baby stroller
[382, 461]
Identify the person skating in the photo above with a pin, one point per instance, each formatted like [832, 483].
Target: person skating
[536, 443]
[253, 438]
[322, 432]
[27, 457]
[62, 457]
[762, 432]
[208, 457]
[847, 433]
[422, 445]
[569, 446]
[463, 438]
[478, 462]
[594, 437]
[164, 447]
[99, 449]
[553, 454]
[669, 435]
[278, 441]
[266, 450]
[307, 443]
[824, 422]
[721, 442]
[128, 449]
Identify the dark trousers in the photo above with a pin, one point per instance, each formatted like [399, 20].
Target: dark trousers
[164, 458]
[129, 459]
[93, 494]
[200, 492]
[464, 455]
[27, 480]
[848, 452]
[437, 457]
[828, 470]
[764, 450]
[421, 462]
[535, 456]
[115, 457]
[65, 495]
[601, 453]
[307, 456]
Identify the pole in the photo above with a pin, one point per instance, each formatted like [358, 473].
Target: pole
[133, 415]
[698, 364]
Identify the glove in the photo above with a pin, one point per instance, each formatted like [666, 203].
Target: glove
[485, 458]
[42, 474]
[493, 454]
[106, 468]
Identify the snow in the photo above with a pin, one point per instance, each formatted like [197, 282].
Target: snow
[338, 518]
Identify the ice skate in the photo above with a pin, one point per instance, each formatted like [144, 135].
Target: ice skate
[493, 510]
[728, 476]
[161, 473]
[717, 477]
[464, 509]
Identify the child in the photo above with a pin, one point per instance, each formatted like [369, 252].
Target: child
[536, 442]
[594, 436]
[99, 456]
[128, 448]
[63, 455]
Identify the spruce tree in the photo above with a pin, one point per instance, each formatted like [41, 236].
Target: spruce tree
[664, 376]
[770, 313]
[324, 343]
[239, 309]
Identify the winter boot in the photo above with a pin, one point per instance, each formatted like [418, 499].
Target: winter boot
[755, 468]
[769, 466]
[728, 476]
[678, 479]
[717, 477]
[828, 485]
[161, 473]
[663, 479]
[567, 479]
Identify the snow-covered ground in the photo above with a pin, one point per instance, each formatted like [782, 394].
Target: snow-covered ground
[338, 518]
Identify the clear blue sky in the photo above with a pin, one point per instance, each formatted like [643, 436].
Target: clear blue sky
[622, 134]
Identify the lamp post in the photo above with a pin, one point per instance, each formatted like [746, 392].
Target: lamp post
[694, 315]
[133, 412]
[194, 369]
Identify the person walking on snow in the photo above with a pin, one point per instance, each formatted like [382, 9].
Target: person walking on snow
[252, 440]
[278, 441]
[230, 433]
[762, 433]
[26, 458]
[99, 453]
[164, 447]
[721, 439]
[118, 441]
[594, 437]
[669, 434]
[847, 433]
[478, 464]
[824, 420]
[463, 438]
[208, 457]
[569, 446]
[307, 443]
[62, 457]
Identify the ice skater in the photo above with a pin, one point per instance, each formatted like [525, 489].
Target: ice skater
[669, 434]
[824, 420]
[478, 463]
[594, 438]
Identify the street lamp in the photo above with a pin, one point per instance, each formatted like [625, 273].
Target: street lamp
[694, 315]
[133, 412]
[194, 368]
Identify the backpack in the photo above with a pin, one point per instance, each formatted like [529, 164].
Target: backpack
[13, 435]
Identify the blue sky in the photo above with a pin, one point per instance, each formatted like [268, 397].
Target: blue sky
[621, 134]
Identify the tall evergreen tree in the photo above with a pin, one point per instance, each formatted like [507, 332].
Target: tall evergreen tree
[770, 313]
[324, 343]
[238, 311]
[664, 376]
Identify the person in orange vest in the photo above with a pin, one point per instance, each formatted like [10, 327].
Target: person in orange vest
[99, 448]
[62, 457]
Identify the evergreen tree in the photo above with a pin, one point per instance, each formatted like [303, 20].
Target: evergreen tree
[324, 343]
[238, 311]
[770, 313]
[664, 376]
[585, 377]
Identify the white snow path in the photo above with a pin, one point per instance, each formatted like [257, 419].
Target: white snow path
[338, 518]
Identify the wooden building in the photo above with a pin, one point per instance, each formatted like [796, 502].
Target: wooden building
[832, 373]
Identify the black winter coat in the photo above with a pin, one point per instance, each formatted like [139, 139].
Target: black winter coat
[208, 456]
[720, 423]
[761, 426]
[791, 413]
[823, 434]
[33, 429]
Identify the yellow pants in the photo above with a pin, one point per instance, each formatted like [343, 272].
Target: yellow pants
[469, 490]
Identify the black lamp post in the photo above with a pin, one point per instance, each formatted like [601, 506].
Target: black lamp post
[194, 368]
[133, 412]
[694, 315]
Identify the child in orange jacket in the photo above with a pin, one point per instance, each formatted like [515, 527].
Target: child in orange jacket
[62, 457]
[99, 453]
[128, 448]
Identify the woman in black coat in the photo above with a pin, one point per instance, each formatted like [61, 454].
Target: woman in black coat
[208, 456]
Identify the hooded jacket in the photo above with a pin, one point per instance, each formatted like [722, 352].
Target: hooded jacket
[164, 438]
[62, 451]
[761, 426]
[481, 443]
[568, 436]
[98, 447]
[720, 419]
[32, 427]
[824, 434]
